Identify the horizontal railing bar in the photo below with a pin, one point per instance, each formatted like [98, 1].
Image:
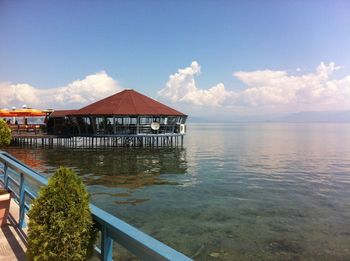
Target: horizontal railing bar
[135, 240]
[13, 181]
[14, 193]
[97, 251]
[30, 194]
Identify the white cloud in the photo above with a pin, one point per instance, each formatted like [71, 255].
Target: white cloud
[264, 89]
[182, 87]
[181, 83]
[74, 95]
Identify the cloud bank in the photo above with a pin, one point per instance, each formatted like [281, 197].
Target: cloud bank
[265, 89]
[74, 95]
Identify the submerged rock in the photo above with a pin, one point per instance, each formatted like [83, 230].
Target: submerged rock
[214, 254]
[199, 252]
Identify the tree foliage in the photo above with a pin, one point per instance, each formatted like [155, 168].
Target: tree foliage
[5, 133]
[60, 223]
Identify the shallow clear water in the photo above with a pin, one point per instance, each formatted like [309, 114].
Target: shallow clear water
[266, 191]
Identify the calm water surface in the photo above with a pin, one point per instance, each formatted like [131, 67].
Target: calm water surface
[234, 192]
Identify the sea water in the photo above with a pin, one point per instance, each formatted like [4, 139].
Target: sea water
[250, 191]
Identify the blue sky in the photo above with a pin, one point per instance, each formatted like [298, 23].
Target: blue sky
[140, 44]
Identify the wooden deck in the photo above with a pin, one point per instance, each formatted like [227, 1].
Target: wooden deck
[13, 242]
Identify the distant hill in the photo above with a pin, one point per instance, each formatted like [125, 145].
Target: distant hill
[318, 116]
[194, 119]
[304, 116]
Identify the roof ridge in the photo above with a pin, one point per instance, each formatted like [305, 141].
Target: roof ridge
[133, 101]
[120, 100]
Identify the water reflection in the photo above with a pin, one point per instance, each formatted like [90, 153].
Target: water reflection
[31, 157]
[110, 169]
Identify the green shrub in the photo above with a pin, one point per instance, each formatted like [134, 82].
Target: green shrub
[60, 223]
[5, 133]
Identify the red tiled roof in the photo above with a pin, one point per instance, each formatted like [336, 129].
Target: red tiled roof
[61, 113]
[127, 102]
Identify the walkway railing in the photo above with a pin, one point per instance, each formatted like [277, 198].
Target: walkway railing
[24, 183]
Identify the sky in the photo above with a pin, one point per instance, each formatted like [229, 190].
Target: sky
[224, 59]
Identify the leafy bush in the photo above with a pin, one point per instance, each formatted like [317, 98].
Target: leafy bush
[5, 133]
[60, 223]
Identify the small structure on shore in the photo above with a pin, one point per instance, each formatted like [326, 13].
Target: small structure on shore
[127, 118]
[125, 113]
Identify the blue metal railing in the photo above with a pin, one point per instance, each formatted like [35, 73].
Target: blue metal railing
[19, 178]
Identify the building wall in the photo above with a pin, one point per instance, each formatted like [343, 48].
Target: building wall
[115, 125]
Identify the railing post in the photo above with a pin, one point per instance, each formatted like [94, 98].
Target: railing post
[6, 177]
[21, 222]
[106, 245]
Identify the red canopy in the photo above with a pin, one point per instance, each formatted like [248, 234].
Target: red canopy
[27, 113]
[5, 113]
